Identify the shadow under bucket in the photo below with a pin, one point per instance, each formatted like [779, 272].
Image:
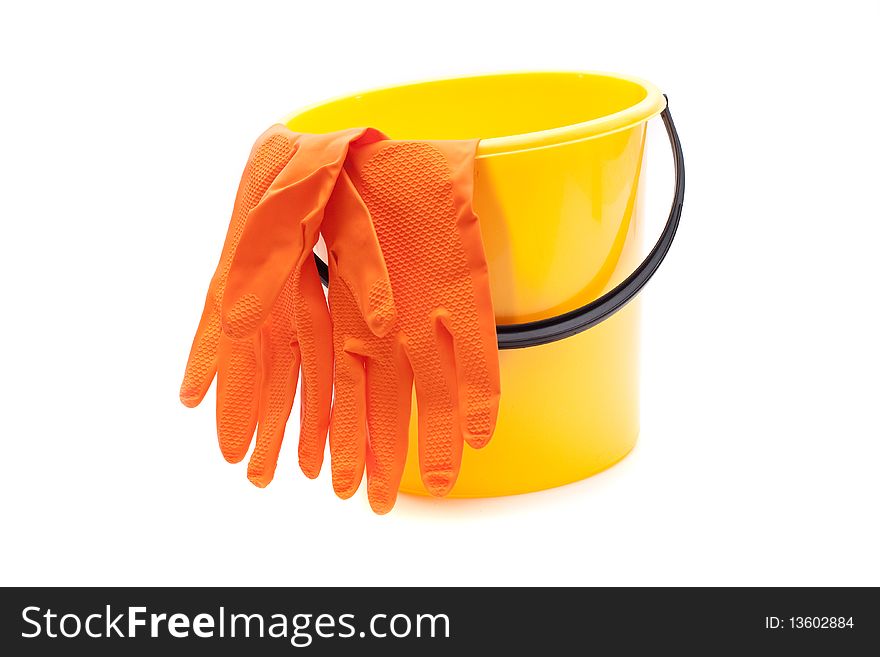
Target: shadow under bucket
[558, 196]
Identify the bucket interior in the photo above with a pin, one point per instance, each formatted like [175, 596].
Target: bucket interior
[481, 107]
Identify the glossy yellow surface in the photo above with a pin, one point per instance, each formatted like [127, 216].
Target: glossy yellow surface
[557, 193]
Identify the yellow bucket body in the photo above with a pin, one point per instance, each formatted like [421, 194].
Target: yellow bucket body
[558, 196]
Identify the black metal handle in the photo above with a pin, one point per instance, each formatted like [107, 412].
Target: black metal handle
[542, 331]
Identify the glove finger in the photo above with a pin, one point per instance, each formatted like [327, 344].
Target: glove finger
[472, 351]
[280, 370]
[440, 439]
[352, 243]
[202, 363]
[238, 375]
[315, 344]
[348, 421]
[474, 341]
[281, 230]
[389, 396]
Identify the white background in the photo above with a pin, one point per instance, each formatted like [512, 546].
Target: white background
[124, 132]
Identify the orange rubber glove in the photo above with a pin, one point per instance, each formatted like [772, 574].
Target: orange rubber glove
[419, 196]
[268, 339]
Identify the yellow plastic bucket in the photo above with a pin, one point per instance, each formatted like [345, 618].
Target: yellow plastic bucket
[558, 196]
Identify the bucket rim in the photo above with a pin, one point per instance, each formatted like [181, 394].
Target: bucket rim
[647, 108]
